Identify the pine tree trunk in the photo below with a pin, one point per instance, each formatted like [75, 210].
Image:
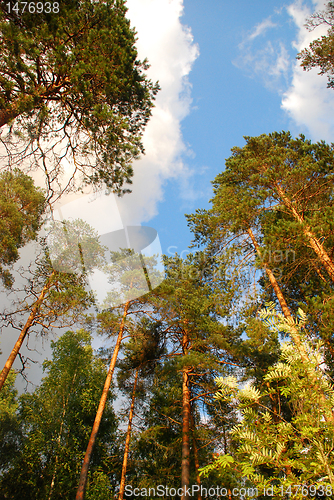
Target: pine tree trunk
[25, 331]
[272, 279]
[127, 441]
[198, 478]
[286, 311]
[185, 467]
[85, 466]
[314, 242]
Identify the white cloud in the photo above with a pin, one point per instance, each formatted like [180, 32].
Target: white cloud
[267, 60]
[308, 101]
[261, 28]
[170, 50]
[270, 64]
[168, 45]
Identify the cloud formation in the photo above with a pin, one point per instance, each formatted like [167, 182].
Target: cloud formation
[267, 60]
[308, 101]
[170, 50]
[268, 56]
[168, 45]
[261, 28]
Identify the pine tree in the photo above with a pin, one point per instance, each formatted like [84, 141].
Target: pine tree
[276, 194]
[72, 77]
[56, 292]
[319, 54]
[141, 355]
[188, 305]
[131, 282]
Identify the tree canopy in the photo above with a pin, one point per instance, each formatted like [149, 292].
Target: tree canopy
[320, 53]
[74, 77]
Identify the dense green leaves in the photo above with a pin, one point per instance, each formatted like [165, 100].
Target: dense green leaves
[275, 450]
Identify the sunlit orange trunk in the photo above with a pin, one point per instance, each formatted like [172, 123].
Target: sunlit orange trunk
[85, 466]
[314, 242]
[25, 331]
[127, 441]
[198, 478]
[294, 332]
[185, 467]
[272, 279]
[186, 415]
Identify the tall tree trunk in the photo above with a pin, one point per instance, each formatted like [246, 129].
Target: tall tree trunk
[25, 331]
[314, 242]
[272, 279]
[127, 441]
[186, 415]
[198, 478]
[85, 466]
[294, 332]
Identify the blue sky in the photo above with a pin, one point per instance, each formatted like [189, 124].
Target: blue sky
[242, 79]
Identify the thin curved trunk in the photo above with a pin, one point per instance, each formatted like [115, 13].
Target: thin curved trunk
[24, 331]
[85, 466]
[127, 441]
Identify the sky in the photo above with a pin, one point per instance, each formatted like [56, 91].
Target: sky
[226, 70]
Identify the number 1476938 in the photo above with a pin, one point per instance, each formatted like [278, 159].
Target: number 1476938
[33, 7]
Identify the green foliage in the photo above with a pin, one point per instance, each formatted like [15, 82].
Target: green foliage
[267, 174]
[9, 427]
[21, 209]
[56, 421]
[131, 276]
[73, 246]
[320, 52]
[98, 486]
[155, 454]
[281, 189]
[274, 451]
[74, 76]
[143, 351]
